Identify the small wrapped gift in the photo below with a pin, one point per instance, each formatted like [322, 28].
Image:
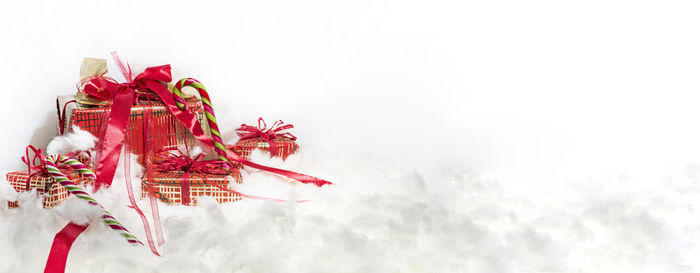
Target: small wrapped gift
[37, 177]
[272, 140]
[53, 193]
[177, 179]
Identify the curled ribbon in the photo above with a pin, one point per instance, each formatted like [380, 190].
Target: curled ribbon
[268, 135]
[34, 168]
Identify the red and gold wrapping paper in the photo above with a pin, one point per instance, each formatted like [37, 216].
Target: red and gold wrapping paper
[162, 129]
[285, 147]
[53, 193]
[167, 186]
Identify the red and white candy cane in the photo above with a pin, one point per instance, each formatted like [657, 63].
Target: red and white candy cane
[52, 163]
[208, 111]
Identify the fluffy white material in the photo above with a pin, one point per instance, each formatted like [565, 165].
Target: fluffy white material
[381, 220]
[78, 140]
[540, 96]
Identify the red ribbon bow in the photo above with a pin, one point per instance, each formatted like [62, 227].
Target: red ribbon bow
[34, 168]
[268, 135]
[121, 96]
[107, 89]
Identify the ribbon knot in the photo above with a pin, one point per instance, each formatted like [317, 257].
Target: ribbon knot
[128, 85]
[107, 89]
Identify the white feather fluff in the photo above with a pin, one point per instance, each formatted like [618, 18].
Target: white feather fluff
[78, 140]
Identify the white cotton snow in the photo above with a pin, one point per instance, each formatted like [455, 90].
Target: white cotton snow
[382, 219]
[78, 140]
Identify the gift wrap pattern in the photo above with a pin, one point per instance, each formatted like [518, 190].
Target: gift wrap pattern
[167, 186]
[53, 193]
[285, 147]
[164, 131]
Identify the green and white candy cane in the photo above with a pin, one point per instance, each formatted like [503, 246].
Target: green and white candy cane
[208, 111]
[52, 163]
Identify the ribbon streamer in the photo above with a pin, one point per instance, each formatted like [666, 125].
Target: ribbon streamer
[56, 261]
[62, 242]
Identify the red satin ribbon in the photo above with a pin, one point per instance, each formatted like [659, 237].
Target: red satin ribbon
[268, 135]
[122, 97]
[185, 189]
[62, 242]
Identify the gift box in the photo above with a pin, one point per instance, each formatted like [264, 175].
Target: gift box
[148, 122]
[273, 140]
[53, 193]
[285, 147]
[170, 187]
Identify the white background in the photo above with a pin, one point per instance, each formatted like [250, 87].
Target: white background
[536, 88]
[538, 96]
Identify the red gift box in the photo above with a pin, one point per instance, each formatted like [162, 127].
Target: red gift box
[168, 187]
[273, 140]
[53, 193]
[158, 127]
[285, 147]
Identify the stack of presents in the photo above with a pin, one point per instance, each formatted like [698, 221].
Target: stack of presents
[150, 117]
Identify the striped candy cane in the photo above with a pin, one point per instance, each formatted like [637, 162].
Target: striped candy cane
[52, 163]
[208, 111]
